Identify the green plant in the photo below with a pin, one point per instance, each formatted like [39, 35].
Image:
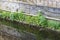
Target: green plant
[11, 16]
[1, 11]
[4, 14]
[36, 20]
[21, 16]
[42, 19]
[53, 24]
[16, 16]
[28, 19]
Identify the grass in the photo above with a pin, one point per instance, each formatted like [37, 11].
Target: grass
[53, 24]
[39, 19]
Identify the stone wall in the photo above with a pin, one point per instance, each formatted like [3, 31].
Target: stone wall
[29, 32]
[28, 8]
[9, 33]
[9, 6]
[13, 6]
[49, 3]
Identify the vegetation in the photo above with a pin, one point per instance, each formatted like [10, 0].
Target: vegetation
[39, 20]
[36, 20]
[53, 24]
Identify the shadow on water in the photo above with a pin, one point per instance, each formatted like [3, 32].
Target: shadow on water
[40, 33]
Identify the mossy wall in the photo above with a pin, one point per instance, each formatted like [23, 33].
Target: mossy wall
[10, 33]
[39, 32]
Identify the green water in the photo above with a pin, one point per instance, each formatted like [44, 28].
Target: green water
[40, 35]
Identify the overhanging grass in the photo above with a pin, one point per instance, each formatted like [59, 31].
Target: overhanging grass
[38, 20]
[53, 24]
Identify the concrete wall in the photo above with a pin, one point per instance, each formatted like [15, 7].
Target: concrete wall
[28, 8]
